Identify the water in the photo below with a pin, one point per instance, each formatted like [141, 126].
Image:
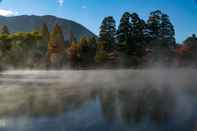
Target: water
[146, 100]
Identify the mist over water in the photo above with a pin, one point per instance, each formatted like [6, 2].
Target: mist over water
[139, 100]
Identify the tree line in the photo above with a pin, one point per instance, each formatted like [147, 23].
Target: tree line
[136, 43]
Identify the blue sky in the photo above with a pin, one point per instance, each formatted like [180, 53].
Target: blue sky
[90, 13]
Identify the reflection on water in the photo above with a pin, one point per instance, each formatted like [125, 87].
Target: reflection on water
[98, 100]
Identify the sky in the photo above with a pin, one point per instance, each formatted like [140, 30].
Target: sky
[90, 13]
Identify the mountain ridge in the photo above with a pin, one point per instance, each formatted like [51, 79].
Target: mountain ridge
[28, 23]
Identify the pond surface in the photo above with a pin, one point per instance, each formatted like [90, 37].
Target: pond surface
[104, 100]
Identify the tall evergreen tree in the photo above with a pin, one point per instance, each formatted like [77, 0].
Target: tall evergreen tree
[167, 31]
[138, 26]
[124, 30]
[107, 33]
[163, 41]
[154, 24]
[86, 51]
[136, 47]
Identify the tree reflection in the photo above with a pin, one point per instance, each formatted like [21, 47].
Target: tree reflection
[138, 104]
[108, 104]
[48, 101]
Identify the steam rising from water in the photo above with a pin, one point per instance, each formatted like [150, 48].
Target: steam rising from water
[98, 100]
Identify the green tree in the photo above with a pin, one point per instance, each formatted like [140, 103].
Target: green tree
[131, 38]
[87, 49]
[167, 31]
[124, 31]
[154, 24]
[137, 43]
[5, 43]
[42, 45]
[162, 41]
[4, 39]
[101, 56]
[107, 33]
[44, 32]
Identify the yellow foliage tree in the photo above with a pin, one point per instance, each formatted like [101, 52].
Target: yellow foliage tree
[56, 46]
[73, 53]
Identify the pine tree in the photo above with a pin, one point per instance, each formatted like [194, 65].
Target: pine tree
[107, 33]
[124, 31]
[131, 39]
[163, 41]
[154, 24]
[136, 46]
[137, 35]
[87, 49]
[138, 26]
[167, 31]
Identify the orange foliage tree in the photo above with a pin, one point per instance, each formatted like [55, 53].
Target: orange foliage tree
[56, 46]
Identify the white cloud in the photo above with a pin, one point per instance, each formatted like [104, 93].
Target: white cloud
[4, 12]
[61, 2]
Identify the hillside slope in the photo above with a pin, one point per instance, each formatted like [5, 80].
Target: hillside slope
[27, 23]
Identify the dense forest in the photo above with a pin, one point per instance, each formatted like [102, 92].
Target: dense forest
[135, 44]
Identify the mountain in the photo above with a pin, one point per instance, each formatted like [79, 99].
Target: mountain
[27, 23]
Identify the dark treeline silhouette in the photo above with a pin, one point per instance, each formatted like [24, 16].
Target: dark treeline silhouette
[135, 44]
